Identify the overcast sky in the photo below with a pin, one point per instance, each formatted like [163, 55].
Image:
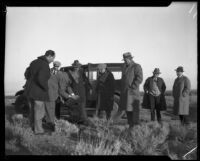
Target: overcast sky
[163, 37]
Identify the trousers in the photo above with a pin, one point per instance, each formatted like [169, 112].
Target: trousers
[184, 119]
[37, 113]
[133, 116]
[50, 111]
[155, 107]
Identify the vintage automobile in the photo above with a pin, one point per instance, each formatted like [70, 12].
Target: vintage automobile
[91, 73]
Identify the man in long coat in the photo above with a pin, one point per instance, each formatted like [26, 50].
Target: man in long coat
[79, 85]
[132, 77]
[36, 89]
[154, 98]
[105, 91]
[181, 91]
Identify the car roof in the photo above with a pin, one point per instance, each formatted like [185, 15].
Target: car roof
[93, 67]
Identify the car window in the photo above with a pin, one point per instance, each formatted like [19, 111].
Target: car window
[117, 75]
[92, 75]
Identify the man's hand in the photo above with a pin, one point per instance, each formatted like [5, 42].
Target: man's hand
[75, 97]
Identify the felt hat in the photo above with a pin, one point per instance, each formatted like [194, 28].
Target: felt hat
[156, 71]
[179, 69]
[76, 63]
[127, 55]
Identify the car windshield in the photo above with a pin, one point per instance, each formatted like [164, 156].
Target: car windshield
[117, 75]
[92, 75]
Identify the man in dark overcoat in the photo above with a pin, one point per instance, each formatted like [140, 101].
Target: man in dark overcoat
[105, 91]
[154, 98]
[79, 83]
[181, 91]
[132, 77]
[36, 89]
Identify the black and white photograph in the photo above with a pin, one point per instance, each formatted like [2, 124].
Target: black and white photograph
[101, 80]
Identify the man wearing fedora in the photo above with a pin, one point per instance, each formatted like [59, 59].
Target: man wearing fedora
[105, 91]
[154, 98]
[79, 84]
[181, 91]
[132, 77]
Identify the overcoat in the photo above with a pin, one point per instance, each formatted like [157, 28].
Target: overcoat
[161, 86]
[181, 91]
[53, 84]
[37, 85]
[105, 90]
[64, 83]
[79, 83]
[132, 77]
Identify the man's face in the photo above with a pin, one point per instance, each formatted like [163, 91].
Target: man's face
[76, 68]
[56, 67]
[102, 70]
[51, 58]
[179, 73]
[127, 61]
[156, 75]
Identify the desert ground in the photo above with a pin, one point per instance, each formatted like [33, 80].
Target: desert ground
[108, 138]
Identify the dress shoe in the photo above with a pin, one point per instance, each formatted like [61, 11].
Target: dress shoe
[50, 126]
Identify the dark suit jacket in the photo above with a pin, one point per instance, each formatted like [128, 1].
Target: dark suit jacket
[161, 86]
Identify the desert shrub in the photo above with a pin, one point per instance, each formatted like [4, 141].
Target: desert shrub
[182, 139]
[126, 148]
[183, 133]
[11, 145]
[105, 138]
[146, 138]
[173, 156]
[56, 144]
[98, 148]
[65, 127]
[102, 140]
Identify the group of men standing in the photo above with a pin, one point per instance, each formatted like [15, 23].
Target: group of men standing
[45, 86]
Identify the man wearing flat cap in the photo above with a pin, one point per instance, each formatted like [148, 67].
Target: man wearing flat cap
[105, 91]
[56, 66]
[53, 95]
[181, 91]
[59, 88]
[132, 77]
[154, 98]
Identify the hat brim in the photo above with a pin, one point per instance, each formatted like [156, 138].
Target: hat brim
[131, 57]
[179, 70]
[76, 66]
[156, 73]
